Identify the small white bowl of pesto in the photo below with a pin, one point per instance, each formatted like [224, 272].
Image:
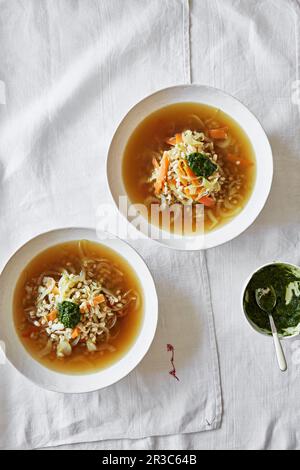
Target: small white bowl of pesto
[285, 280]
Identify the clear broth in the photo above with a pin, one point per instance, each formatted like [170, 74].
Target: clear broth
[150, 136]
[80, 361]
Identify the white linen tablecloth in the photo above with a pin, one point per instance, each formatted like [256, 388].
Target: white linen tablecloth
[149, 401]
[70, 70]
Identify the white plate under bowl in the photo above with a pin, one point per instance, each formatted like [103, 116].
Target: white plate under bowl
[56, 381]
[232, 107]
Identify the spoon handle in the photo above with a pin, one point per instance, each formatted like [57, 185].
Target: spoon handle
[278, 348]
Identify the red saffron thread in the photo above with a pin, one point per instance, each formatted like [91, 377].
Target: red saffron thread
[173, 371]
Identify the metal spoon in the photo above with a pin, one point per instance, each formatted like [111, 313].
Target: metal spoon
[266, 300]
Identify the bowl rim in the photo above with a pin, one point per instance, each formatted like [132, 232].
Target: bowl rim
[82, 376]
[260, 205]
[245, 284]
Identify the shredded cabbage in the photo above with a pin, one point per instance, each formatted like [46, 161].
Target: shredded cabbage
[67, 282]
[192, 138]
[181, 184]
[91, 346]
[212, 185]
[44, 291]
[64, 348]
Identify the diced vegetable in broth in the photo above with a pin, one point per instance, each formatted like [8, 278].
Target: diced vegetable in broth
[78, 307]
[190, 154]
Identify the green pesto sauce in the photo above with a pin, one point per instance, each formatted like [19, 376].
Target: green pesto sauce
[285, 280]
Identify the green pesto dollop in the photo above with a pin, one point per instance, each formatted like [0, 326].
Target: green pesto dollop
[69, 314]
[201, 164]
[285, 279]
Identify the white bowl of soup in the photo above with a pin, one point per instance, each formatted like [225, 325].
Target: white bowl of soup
[194, 162]
[77, 313]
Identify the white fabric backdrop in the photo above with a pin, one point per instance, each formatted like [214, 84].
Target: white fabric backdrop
[71, 70]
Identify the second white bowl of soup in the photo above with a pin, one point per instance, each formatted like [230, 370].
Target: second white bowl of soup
[198, 158]
[77, 313]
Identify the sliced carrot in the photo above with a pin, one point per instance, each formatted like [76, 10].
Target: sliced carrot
[182, 176]
[178, 138]
[99, 299]
[52, 315]
[75, 333]
[172, 182]
[189, 172]
[220, 133]
[184, 170]
[163, 171]
[207, 201]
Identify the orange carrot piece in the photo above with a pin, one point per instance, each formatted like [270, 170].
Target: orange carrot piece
[55, 290]
[182, 176]
[52, 315]
[191, 175]
[172, 182]
[220, 133]
[163, 171]
[207, 201]
[189, 172]
[178, 138]
[75, 333]
[99, 299]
